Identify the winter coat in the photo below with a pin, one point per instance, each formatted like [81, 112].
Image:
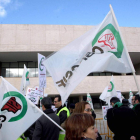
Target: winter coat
[46, 129]
[121, 121]
[136, 108]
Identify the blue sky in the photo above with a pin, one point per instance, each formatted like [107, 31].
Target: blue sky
[68, 12]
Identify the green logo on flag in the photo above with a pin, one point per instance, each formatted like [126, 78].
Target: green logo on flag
[111, 87]
[41, 69]
[110, 37]
[27, 76]
[13, 106]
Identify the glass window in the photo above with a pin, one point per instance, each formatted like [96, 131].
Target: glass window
[7, 73]
[21, 64]
[31, 64]
[108, 73]
[14, 65]
[3, 72]
[36, 71]
[36, 64]
[32, 72]
[95, 74]
[5, 65]
[20, 71]
[13, 72]
[102, 74]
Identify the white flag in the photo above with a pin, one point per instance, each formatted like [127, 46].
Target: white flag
[119, 95]
[25, 80]
[89, 100]
[130, 96]
[41, 71]
[104, 94]
[96, 51]
[109, 92]
[17, 113]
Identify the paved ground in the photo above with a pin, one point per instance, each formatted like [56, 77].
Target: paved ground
[101, 125]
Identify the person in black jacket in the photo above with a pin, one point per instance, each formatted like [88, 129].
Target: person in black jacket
[136, 108]
[121, 120]
[44, 128]
[62, 111]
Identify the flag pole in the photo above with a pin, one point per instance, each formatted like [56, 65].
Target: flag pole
[128, 57]
[49, 118]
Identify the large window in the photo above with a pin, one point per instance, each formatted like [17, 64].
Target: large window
[15, 69]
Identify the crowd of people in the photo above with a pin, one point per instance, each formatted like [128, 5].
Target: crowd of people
[78, 121]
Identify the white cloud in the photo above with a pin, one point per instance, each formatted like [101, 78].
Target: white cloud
[5, 2]
[8, 5]
[2, 11]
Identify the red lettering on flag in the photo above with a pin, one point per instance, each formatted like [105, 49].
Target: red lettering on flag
[107, 39]
[12, 105]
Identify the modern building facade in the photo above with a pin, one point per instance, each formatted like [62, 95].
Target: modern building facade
[19, 45]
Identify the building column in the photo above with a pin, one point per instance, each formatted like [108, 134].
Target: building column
[80, 98]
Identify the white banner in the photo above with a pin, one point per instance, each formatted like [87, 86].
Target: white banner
[33, 95]
[25, 80]
[104, 111]
[100, 49]
[41, 71]
[17, 113]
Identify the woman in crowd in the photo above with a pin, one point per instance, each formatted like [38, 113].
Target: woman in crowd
[84, 107]
[80, 126]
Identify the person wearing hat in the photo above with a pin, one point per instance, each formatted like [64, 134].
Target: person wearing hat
[121, 120]
[44, 128]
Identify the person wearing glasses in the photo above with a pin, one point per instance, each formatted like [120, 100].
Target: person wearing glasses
[121, 120]
[62, 112]
[80, 126]
[84, 107]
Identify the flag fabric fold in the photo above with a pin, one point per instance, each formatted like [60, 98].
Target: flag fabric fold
[25, 80]
[17, 113]
[100, 49]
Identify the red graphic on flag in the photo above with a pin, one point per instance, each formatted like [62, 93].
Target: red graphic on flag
[29, 90]
[107, 39]
[11, 105]
[109, 87]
